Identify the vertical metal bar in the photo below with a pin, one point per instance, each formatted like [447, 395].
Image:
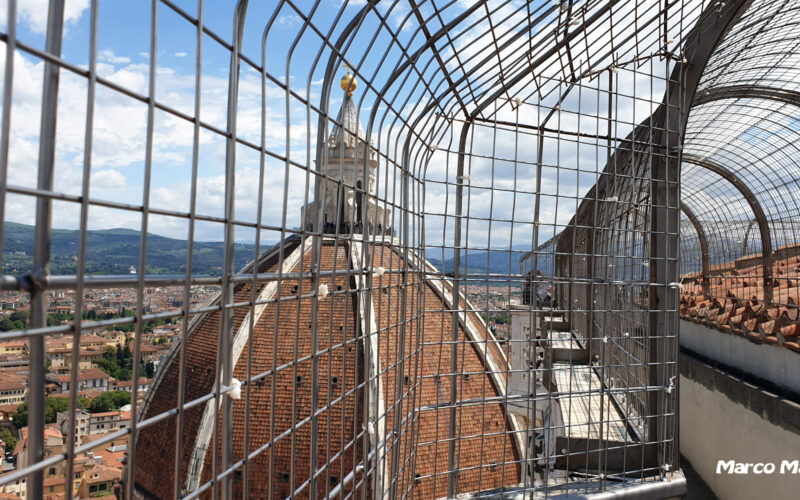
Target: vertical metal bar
[661, 248]
[452, 486]
[140, 289]
[665, 211]
[273, 379]
[187, 290]
[83, 236]
[300, 267]
[459, 373]
[226, 295]
[609, 208]
[41, 251]
[487, 310]
[534, 320]
[316, 256]
[256, 262]
[672, 429]
[5, 128]
[400, 367]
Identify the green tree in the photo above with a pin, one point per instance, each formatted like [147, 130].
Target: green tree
[7, 325]
[52, 406]
[149, 325]
[502, 319]
[125, 357]
[57, 319]
[109, 362]
[120, 398]
[9, 439]
[21, 316]
[100, 404]
[20, 418]
[110, 400]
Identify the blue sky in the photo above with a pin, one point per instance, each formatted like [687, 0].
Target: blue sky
[120, 121]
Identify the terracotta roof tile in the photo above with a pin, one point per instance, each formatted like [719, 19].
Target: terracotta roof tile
[101, 474]
[53, 481]
[736, 303]
[283, 335]
[91, 373]
[12, 382]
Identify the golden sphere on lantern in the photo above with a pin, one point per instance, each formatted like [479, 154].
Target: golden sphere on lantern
[349, 83]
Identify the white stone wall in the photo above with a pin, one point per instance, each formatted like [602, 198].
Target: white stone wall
[777, 364]
[523, 356]
[714, 428]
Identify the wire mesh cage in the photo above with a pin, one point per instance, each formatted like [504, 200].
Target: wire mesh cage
[367, 249]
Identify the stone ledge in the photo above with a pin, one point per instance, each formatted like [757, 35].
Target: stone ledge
[775, 408]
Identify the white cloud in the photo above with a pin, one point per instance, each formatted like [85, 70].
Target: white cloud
[119, 139]
[33, 13]
[108, 179]
[120, 126]
[289, 20]
[109, 57]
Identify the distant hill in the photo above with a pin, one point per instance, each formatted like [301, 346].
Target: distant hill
[114, 251]
[499, 262]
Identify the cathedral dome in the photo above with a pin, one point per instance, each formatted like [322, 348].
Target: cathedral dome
[349, 374]
[368, 348]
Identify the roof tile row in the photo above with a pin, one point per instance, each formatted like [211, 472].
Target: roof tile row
[735, 300]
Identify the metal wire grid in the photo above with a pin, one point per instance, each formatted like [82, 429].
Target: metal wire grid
[740, 176]
[467, 110]
[758, 51]
[709, 197]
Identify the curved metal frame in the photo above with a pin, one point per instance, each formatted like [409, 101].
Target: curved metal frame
[715, 199]
[701, 235]
[758, 213]
[705, 38]
[749, 155]
[747, 236]
[746, 91]
[469, 85]
[759, 50]
[671, 118]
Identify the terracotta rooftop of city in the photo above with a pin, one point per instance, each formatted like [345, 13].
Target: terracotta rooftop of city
[90, 374]
[734, 301]
[10, 382]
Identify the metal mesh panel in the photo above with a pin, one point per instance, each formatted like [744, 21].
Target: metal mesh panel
[739, 182]
[402, 249]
